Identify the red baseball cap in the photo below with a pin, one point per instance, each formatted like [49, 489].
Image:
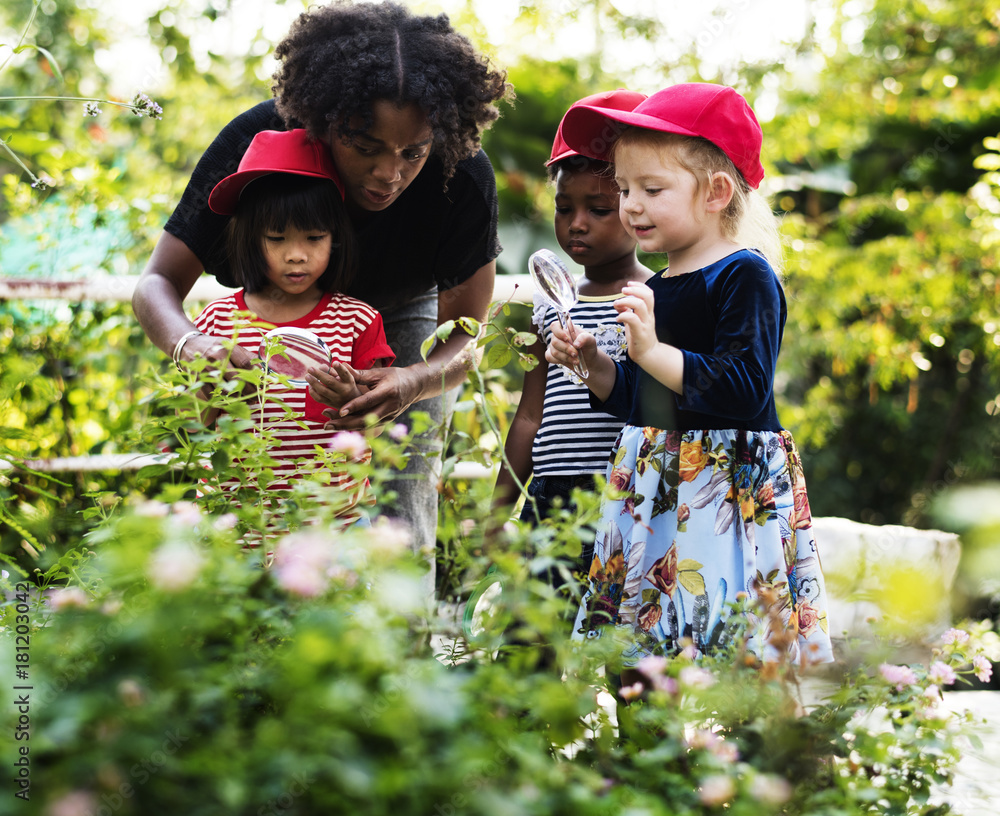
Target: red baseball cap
[275, 151]
[714, 112]
[620, 99]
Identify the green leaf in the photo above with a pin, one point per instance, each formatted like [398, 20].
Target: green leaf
[498, 356]
[469, 325]
[692, 582]
[443, 332]
[426, 346]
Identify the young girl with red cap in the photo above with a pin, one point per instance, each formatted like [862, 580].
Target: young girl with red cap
[707, 502]
[291, 249]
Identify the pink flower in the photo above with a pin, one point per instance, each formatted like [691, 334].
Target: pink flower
[151, 509]
[186, 512]
[899, 676]
[942, 674]
[705, 740]
[652, 666]
[349, 442]
[227, 521]
[301, 564]
[300, 579]
[933, 694]
[174, 566]
[398, 432]
[389, 538]
[68, 598]
[716, 790]
[957, 636]
[983, 668]
[630, 692]
[74, 803]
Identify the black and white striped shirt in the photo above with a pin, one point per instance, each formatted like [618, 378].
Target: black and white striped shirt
[573, 438]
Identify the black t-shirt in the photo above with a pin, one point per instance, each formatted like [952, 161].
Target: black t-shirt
[426, 237]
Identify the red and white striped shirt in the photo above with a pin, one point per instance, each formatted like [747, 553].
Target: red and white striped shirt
[353, 331]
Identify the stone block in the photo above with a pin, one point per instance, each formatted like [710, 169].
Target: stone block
[900, 575]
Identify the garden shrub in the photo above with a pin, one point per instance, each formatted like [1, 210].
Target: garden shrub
[173, 671]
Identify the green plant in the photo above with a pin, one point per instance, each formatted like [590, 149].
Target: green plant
[174, 670]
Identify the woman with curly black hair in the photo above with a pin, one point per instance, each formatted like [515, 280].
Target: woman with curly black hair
[401, 101]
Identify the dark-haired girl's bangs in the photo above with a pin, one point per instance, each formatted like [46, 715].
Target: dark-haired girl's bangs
[305, 204]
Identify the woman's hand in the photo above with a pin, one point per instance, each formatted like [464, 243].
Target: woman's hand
[635, 312]
[212, 349]
[386, 393]
[333, 385]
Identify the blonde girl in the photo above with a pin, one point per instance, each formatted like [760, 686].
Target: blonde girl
[707, 501]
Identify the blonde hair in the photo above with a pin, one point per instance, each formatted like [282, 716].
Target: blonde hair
[747, 219]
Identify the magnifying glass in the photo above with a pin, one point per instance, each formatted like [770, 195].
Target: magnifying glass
[481, 608]
[292, 352]
[557, 287]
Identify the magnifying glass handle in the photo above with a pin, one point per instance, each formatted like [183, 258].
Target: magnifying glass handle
[566, 323]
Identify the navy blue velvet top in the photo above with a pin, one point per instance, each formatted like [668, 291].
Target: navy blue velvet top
[727, 319]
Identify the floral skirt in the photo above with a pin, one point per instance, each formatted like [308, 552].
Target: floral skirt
[694, 521]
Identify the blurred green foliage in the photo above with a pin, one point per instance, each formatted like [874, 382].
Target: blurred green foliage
[172, 670]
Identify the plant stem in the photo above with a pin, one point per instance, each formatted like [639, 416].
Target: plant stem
[24, 34]
[65, 99]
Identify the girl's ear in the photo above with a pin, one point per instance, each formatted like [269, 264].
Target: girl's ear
[721, 189]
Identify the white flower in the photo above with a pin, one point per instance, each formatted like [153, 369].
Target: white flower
[131, 693]
[716, 790]
[695, 677]
[174, 566]
[770, 789]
